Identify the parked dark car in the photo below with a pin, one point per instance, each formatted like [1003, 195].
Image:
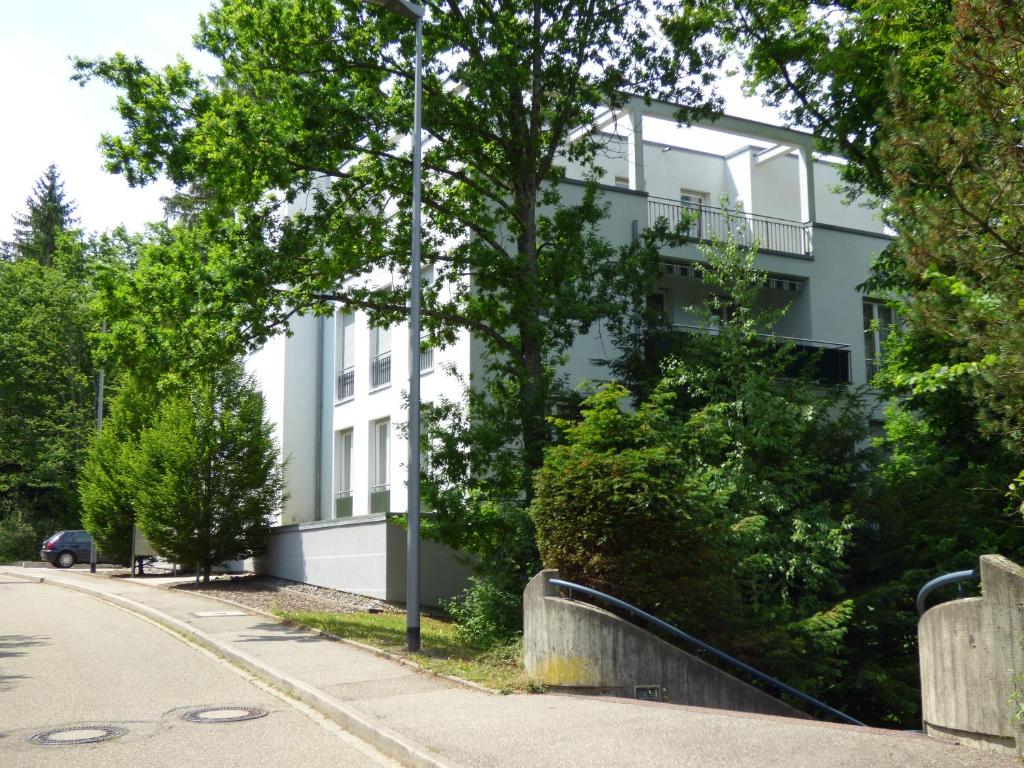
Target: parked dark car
[65, 548]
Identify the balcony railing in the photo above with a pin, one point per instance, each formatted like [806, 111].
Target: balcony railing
[346, 384]
[380, 499]
[708, 223]
[380, 370]
[829, 361]
[873, 367]
[427, 359]
[343, 504]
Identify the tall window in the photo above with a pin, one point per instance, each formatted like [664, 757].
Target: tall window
[380, 357]
[878, 321]
[693, 205]
[344, 355]
[380, 489]
[343, 473]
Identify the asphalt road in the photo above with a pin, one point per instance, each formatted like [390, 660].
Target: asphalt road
[67, 659]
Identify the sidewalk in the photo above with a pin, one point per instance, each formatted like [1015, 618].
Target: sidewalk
[424, 720]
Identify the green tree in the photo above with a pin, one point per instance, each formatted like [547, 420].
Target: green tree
[755, 476]
[309, 109]
[46, 394]
[107, 482]
[48, 215]
[829, 66]
[207, 478]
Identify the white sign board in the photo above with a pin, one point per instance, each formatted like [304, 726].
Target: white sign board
[141, 547]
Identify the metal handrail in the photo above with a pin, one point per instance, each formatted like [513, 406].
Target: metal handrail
[772, 336]
[708, 222]
[941, 581]
[710, 649]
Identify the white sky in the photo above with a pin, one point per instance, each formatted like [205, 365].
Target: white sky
[50, 119]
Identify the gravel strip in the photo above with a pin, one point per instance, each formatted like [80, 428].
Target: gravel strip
[266, 593]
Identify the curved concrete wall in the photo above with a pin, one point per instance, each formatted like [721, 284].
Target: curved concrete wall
[971, 661]
[578, 647]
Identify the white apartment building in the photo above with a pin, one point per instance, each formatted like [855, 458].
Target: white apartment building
[335, 387]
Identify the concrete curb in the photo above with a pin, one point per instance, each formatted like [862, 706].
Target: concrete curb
[389, 742]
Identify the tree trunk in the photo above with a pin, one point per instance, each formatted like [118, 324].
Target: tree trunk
[532, 389]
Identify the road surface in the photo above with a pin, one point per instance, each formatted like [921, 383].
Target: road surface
[67, 660]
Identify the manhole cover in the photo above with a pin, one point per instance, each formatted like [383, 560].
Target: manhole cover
[78, 734]
[223, 714]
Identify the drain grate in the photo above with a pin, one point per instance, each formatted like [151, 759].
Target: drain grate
[223, 714]
[78, 734]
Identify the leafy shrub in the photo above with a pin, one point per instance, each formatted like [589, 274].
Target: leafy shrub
[18, 539]
[620, 507]
[486, 615]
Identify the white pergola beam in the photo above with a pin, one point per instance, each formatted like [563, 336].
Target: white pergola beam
[773, 153]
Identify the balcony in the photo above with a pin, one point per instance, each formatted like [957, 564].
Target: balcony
[345, 384]
[829, 362]
[380, 499]
[708, 223]
[380, 370]
[343, 504]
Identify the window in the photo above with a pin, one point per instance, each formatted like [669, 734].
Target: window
[878, 321]
[344, 356]
[657, 306]
[343, 473]
[380, 490]
[380, 358]
[693, 206]
[622, 182]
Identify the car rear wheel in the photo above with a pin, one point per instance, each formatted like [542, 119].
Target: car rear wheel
[65, 559]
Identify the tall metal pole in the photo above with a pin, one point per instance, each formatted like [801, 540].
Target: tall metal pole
[99, 425]
[412, 579]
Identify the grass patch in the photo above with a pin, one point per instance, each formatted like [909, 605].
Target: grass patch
[500, 668]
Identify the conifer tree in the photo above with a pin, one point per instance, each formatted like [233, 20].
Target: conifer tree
[48, 214]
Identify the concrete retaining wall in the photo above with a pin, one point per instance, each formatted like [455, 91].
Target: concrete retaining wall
[364, 554]
[971, 661]
[576, 646]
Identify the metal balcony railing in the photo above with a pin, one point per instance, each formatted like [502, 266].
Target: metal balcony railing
[829, 360]
[873, 367]
[343, 504]
[346, 384]
[427, 359]
[708, 223]
[380, 370]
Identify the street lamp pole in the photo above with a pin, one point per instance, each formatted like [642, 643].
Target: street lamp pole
[412, 563]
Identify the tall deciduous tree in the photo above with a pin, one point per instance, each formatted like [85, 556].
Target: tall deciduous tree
[207, 480]
[310, 106]
[48, 215]
[829, 65]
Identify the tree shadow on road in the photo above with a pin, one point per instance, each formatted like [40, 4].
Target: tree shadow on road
[12, 645]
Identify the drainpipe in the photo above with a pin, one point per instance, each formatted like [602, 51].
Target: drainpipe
[318, 453]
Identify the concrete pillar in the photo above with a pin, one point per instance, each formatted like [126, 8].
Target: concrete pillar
[636, 148]
[807, 212]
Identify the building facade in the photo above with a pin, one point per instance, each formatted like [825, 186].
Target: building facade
[336, 387]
